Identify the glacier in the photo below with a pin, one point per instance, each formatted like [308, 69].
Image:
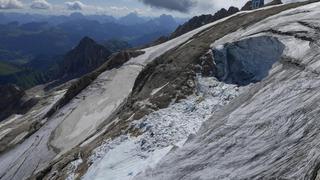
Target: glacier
[227, 129]
[271, 130]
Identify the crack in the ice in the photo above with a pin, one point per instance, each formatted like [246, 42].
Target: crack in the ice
[291, 34]
[309, 25]
[297, 65]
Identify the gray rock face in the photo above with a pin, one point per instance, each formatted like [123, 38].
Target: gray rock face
[12, 101]
[247, 61]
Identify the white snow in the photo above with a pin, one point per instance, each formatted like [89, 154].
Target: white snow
[125, 160]
[10, 120]
[155, 91]
[72, 168]
[125, 157]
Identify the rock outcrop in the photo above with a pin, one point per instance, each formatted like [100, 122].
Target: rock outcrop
[198, 21]
[247, 6]
[274, 2]
[13, 100]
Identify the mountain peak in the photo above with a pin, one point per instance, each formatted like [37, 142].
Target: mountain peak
[85, 57]
[86, 41]
[131, 19]
[77, 15]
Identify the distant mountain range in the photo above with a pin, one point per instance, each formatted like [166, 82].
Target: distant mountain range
[32, 44]
[82, 59]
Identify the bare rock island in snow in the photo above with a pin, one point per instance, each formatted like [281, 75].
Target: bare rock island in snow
[237, 98]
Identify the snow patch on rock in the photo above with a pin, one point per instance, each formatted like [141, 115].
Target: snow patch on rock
[72, 167]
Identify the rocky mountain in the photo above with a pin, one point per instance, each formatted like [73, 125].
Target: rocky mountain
[247, 6]
[198, 21]
[84, 58]
[233, 99]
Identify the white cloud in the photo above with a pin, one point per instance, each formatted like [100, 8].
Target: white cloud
[116, 8]
[10, 4]
[40, 4]
[75, 5]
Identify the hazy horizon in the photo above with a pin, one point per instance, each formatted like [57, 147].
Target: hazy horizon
[117, 8]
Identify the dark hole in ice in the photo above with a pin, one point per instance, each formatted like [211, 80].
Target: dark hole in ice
[247, 61]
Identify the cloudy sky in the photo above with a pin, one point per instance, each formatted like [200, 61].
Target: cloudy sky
[119, 7]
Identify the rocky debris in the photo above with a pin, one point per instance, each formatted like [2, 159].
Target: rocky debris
[13, 100]
[198, 21]
[84, 58]
[207, 66]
